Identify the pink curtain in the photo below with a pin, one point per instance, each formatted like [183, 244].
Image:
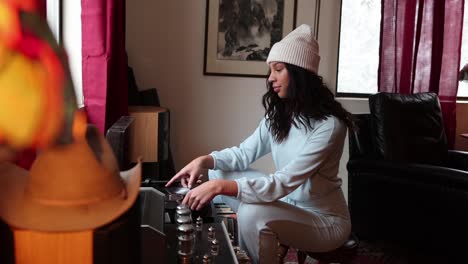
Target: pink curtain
[104, 61]
[420, 45]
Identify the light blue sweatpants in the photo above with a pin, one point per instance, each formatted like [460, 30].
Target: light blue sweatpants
[263, 226]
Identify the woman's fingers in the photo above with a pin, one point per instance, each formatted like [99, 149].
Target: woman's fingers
[173, 179]
[201, 204]
[199, 180]
[186, 199]
[183, 181]
[183, 176]
[194, 179]
[191, 181]
[198, 197]
[190, 200]
[194, 203]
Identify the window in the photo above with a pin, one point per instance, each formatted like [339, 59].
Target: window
[359, 48]
[54, 18]
[463, 85]
[64, 18]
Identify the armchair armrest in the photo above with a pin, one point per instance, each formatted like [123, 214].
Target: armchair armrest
[428, 174]
[401, 201]
[458, 159]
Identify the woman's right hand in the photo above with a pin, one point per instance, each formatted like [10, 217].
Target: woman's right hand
[191, 173]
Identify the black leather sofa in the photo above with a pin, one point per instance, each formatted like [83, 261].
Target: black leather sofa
[405, 186]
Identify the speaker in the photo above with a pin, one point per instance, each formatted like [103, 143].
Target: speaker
[149, 135]
[149, 138]
[118, 136]
[153, 239]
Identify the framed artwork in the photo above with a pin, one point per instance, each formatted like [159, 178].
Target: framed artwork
[240, 33]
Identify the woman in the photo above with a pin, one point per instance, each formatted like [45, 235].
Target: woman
[301, 204]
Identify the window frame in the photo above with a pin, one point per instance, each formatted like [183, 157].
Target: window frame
[54, 18]
[358, 95]
[346, 94]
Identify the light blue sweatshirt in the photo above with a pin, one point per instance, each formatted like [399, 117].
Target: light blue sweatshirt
[306, 163]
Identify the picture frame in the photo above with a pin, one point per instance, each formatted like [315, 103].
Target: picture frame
[238, 37]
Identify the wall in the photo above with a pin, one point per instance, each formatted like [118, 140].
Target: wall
[165, 43]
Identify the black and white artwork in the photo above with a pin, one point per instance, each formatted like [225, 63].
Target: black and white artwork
[248, 28]
[240, 33]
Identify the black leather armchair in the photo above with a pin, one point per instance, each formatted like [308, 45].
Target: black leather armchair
[405, 186]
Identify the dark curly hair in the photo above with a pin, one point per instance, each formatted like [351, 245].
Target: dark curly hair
[307, 98]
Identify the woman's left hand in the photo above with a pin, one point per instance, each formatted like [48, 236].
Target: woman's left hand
[201, 195]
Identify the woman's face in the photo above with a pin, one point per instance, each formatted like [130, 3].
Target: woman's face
[279, 78]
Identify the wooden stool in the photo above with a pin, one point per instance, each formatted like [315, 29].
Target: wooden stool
[343, 254]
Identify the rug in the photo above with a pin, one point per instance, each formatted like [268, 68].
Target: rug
[378, 253]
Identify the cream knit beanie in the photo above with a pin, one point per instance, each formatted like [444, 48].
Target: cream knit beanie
[298, 48]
